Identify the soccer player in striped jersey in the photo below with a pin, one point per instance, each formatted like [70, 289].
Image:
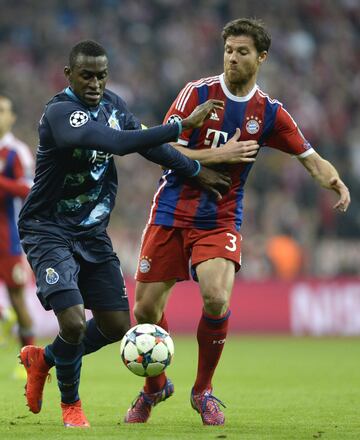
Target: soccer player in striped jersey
[16, 172]
[189, 225]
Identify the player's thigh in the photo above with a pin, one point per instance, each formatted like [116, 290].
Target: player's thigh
[216, 256]
[56, 271]
[163, 256]
[151, 300]
[102, 286]
[216, 278]
[215, 243]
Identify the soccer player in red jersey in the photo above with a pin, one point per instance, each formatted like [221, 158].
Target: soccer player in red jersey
[16, 170]
[188, 225]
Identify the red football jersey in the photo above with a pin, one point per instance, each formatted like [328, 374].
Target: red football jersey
[177, 202]
[16, 171]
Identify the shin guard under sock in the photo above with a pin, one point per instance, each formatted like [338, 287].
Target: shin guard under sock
[94, 339]
[211, 335]
[68, 360]
[155, 384]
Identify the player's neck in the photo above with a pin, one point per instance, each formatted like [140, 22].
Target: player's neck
[240, 89]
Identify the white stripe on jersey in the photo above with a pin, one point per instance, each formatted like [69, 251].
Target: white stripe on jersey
[157, 193]
[189, 85]
[275, 101]
[272, 101]
[185, 95]
[305, 153]
[206, 82]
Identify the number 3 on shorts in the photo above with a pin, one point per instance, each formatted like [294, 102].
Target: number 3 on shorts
[232, 239]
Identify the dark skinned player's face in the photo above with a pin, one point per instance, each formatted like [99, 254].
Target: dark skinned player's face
[88, 78]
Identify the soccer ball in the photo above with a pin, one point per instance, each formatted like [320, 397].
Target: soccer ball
[146, 349]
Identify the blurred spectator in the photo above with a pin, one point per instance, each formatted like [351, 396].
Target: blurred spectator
[312, 69]
[285, 256]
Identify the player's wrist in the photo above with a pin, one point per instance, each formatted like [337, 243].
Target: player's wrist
[180, 127]
[197, 171]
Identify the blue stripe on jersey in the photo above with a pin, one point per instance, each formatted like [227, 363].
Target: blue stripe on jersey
[269, 119]
[169, 197]
[207, 209]
[15, 248]
[170, 194]
[203, 93]
[233, 118]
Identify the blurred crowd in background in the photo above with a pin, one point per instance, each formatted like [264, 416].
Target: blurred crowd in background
[155, 47]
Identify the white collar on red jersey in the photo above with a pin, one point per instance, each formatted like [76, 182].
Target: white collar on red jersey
[7, 139]
[234, 97]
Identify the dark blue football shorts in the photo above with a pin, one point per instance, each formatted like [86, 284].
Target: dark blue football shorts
[70, 272]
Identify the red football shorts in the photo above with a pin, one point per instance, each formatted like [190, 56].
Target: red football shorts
[166, 252]
[12, 270]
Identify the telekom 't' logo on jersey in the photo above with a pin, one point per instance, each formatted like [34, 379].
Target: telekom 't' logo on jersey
[215, 138]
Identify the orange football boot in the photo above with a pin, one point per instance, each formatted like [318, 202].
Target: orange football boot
[37, 371]
[73, 415]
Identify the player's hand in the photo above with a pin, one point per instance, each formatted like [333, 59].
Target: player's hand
[200, 113]
[339, 186]
[235, 151]
[215, 182]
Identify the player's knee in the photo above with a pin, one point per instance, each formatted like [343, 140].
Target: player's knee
[146, 313]
[115, 329]
[73, 331]
[215, 304]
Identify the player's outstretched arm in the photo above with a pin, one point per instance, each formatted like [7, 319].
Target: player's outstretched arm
[328, 177]
[234, 151]
[69, 132]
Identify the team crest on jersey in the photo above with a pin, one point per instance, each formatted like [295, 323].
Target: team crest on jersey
[78, 118]
[253, 124]
[52, 277]
[145, 264]
[113, 121]
[173, 119]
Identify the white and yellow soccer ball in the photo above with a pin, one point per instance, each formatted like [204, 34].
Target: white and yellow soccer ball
[147, 350]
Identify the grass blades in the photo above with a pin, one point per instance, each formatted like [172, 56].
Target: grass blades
[274, 388]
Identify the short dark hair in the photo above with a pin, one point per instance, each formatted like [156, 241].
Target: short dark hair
[249, 26]
[87, 47]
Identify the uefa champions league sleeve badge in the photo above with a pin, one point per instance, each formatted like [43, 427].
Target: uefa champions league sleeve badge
[78, 118]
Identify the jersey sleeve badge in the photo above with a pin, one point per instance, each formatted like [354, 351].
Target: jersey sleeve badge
[78, 118]
[172, 119]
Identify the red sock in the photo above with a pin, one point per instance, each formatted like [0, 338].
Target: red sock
[211, 335]
[155, 384]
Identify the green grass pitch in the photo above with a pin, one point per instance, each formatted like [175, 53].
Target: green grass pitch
[274, 388]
